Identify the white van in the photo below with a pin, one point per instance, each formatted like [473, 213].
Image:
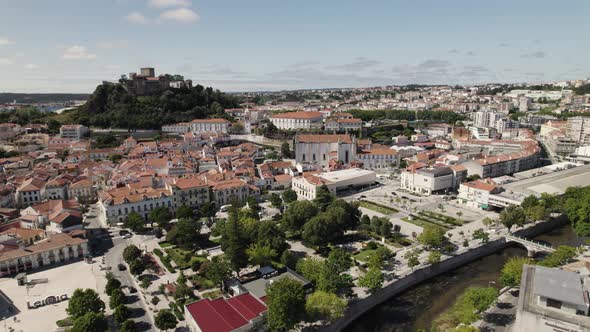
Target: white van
[225, 208]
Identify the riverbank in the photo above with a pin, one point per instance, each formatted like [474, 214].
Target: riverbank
[361, 306]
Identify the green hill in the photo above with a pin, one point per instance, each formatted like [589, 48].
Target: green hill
[111, 106]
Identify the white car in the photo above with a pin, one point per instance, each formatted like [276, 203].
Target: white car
[127, 236]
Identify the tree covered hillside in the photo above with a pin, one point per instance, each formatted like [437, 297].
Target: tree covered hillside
[111, 106]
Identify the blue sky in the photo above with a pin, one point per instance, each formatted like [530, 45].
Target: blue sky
[237, 45]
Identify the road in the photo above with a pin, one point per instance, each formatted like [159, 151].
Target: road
[112, 248]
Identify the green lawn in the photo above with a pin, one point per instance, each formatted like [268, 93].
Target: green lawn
[377, 207]
[183, 258]
[165, 244]
[364, 255]
[212, 294]
[423, 222]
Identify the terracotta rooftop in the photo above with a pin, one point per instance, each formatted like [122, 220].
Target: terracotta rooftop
[298, 115]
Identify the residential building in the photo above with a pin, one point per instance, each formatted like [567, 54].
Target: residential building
[31, 191]
[378, 158]
[209, 126]
[298, 120]
[227, 191]
[73, 131]
[82, 189]
[343, 124]
[578, 129]
[116, 204]
[190, 192]
[56, 249]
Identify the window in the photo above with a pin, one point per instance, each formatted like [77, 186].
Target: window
[313, 157]
[551, 303]
[303, 159]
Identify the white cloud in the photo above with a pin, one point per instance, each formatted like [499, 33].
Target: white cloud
[136, 17]
[169, 3]
[181, 15]
[6, 62]
[5, 41]
[113, 44]
[78, 53]
[31, 66]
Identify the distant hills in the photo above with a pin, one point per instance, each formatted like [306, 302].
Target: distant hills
[40, 98]
[111, 106]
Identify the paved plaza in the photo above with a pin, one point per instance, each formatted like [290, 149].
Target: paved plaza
[61, 280]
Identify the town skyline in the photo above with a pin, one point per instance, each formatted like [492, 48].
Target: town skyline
[265, 46]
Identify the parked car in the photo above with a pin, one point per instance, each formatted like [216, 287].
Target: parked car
[121, 267]
[127, 236]
[123, 232]
[132, 290]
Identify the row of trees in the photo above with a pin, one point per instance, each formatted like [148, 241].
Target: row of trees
[445, 116]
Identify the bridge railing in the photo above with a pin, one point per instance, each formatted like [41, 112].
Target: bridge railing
[529, 241]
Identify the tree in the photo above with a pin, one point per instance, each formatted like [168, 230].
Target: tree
[433, 257]
[512, 215]
[218, 270]
[562, 255]
[276, 200]
[413, 258]
[134, 222]
[53, 126]
[90, 322]
[165, 320]
[137, 267]
[321, 230]
[289, 196]
[186, 233]
[233, 243]
[512, 271]
[286, 150]
[322, 305]
[261, 255]
[323, 197]
[537, 212]
[480, 234]
[432, 236]
[286, 304]
[487, 222]
[121, 313]
[128, 326]
[117, 298]
[339, 260]
[131, 253]
[160, 215]
[297, 214]
[289, 259]
[480, 298]
[373, 279]
[112, 285]
[84, 301]
[207, 210]
[184, 212]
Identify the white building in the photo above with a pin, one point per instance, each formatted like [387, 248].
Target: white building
[73, 131]
[177, 128]
[428, 181]
[307, 185]
[117, 204]
[298, 120]
[320, 149]
[210, 126]
[378, 158]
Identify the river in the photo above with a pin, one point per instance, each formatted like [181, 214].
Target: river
[418, 307]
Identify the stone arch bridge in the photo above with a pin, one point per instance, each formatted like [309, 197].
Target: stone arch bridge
[532, 247]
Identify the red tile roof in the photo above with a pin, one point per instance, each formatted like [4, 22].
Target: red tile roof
[298, 115]
[221, 315]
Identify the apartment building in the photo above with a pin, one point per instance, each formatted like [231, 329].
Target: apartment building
[343, 124]
[209, 126]
[73, 131]
[59, 248]
[227, 191]
[378, 158]
[578, 129]
[298, 120]
[177, 128]
[31, 191]
[191, 192]
[116, 204]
